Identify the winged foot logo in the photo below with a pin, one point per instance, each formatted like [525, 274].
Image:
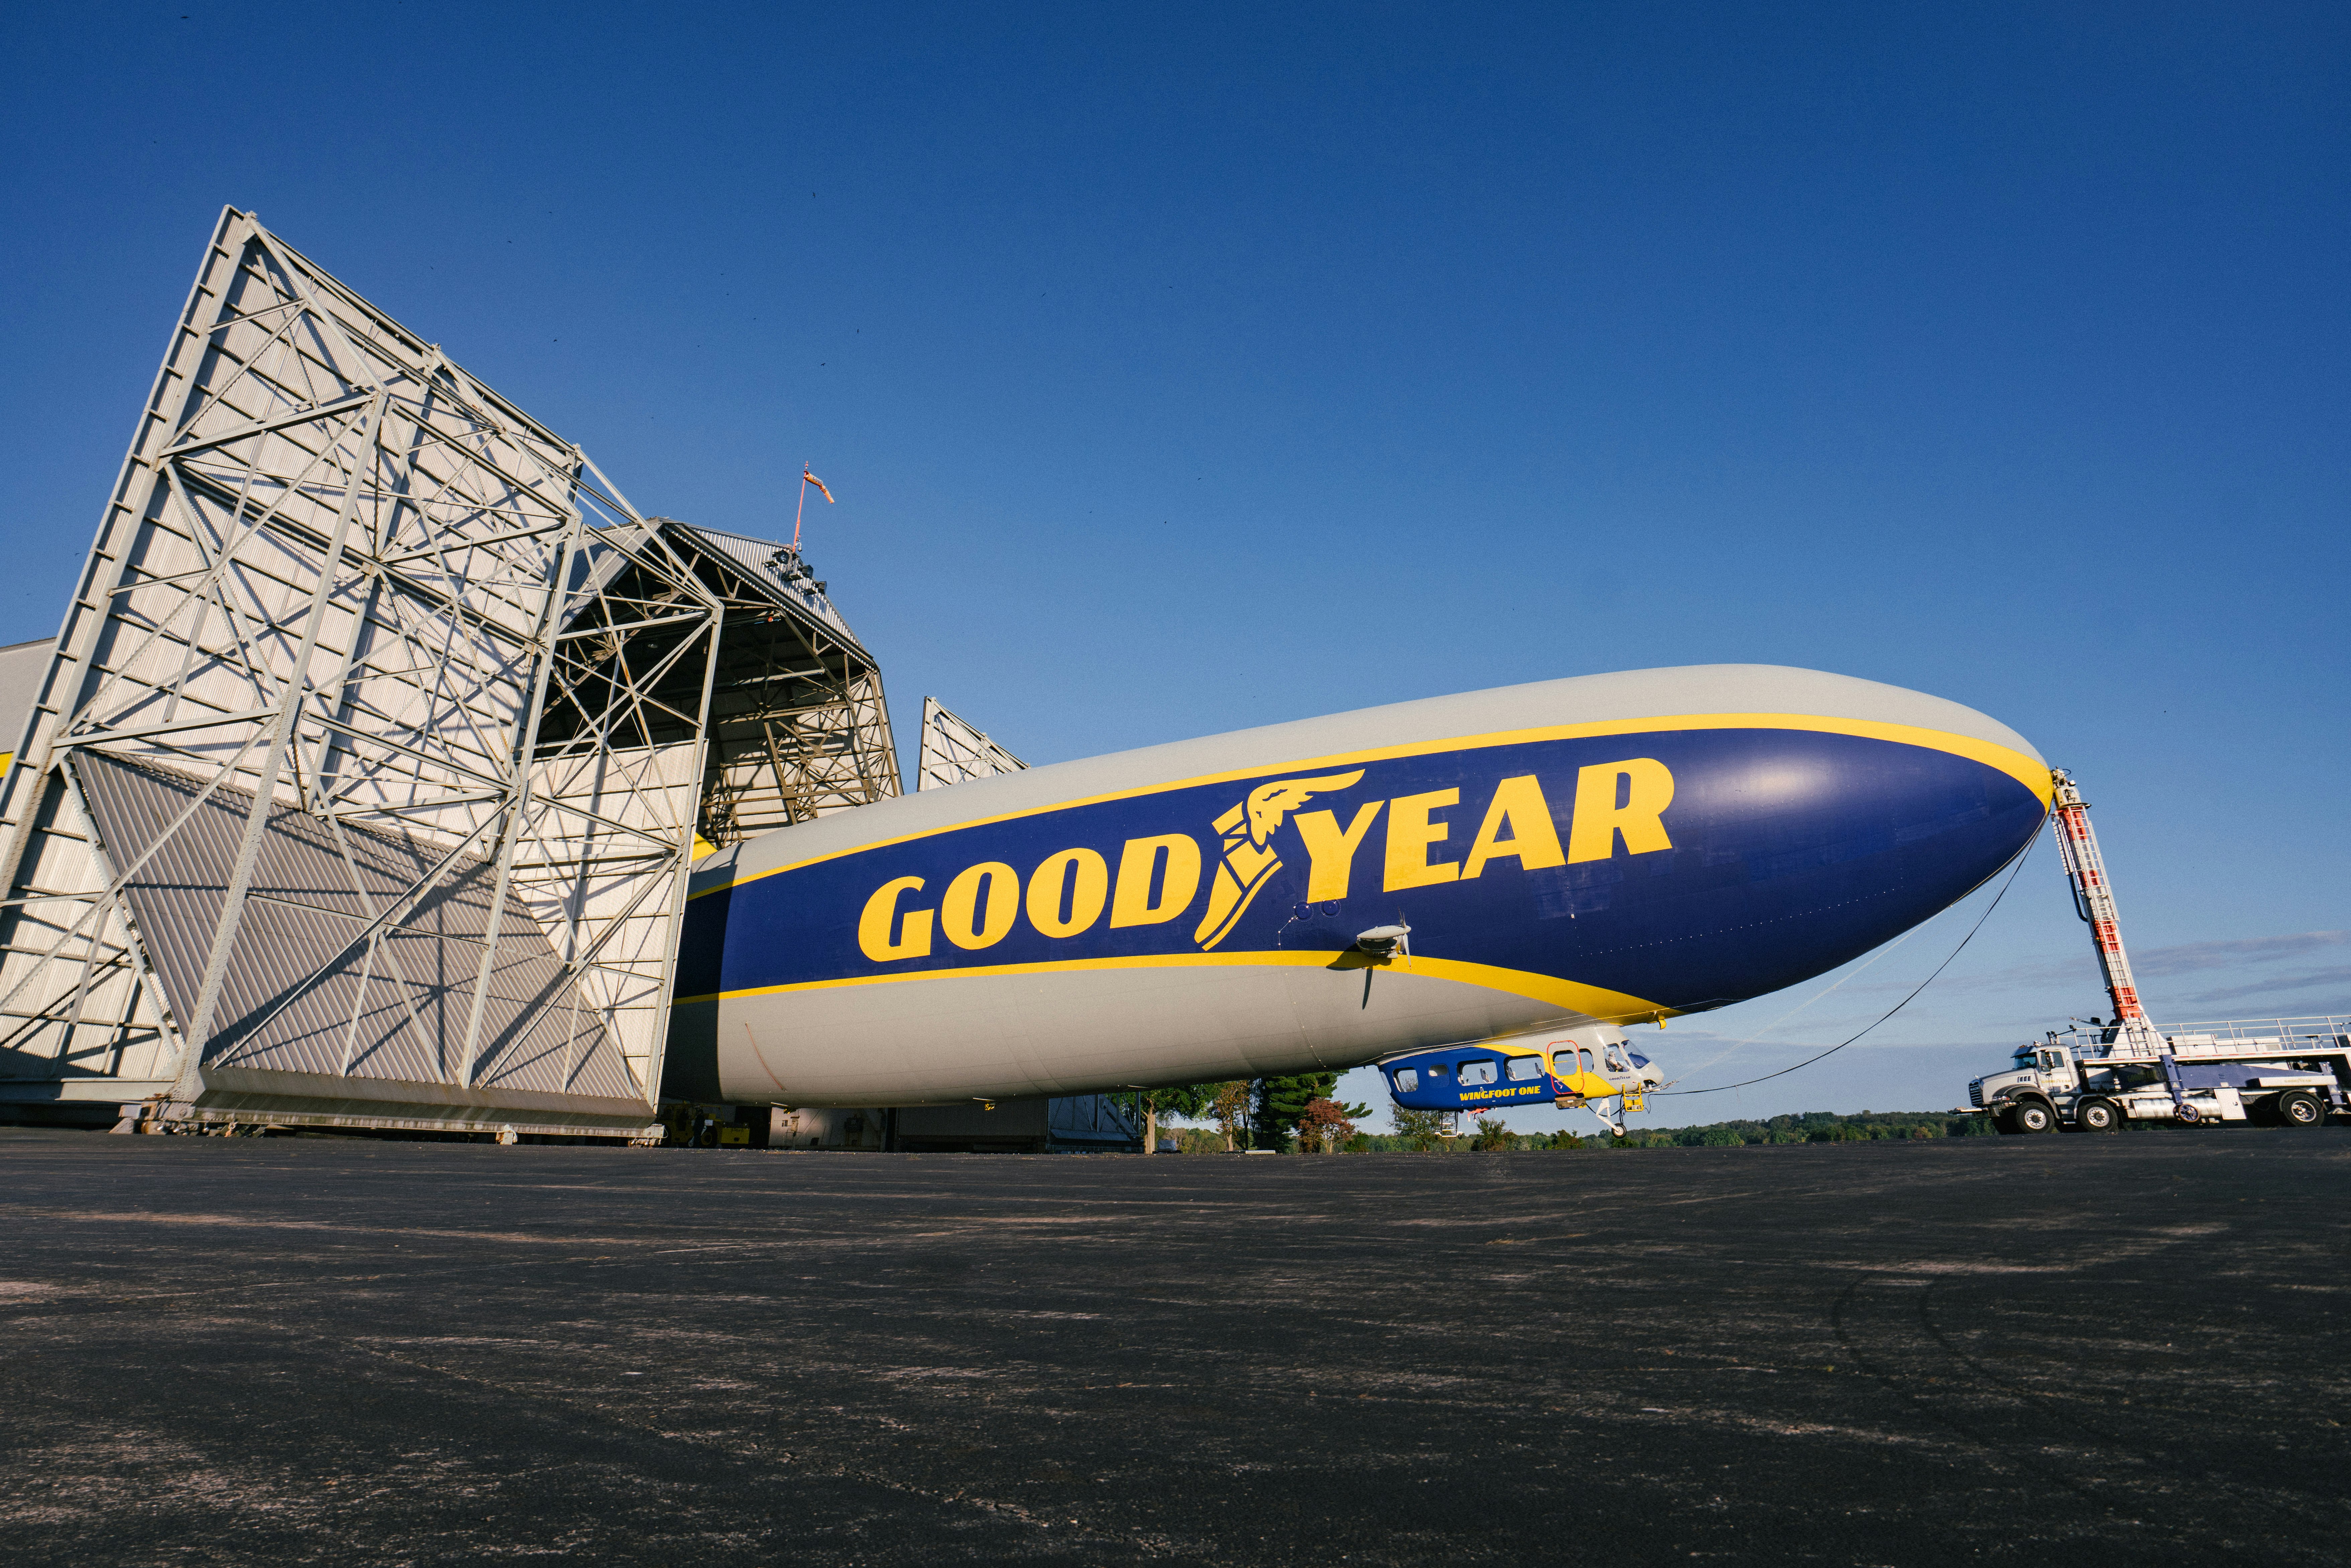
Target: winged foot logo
[1251, 859]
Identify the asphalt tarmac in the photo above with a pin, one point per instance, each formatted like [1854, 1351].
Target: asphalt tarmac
[2085, 1350]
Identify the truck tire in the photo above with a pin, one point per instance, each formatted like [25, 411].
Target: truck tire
[2097, 1116]
[2033, 1116]
[2299, 1108]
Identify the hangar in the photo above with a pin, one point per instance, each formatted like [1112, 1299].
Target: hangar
[360, 785]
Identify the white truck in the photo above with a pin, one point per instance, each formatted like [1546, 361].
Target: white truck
[2279, 1073]
[2289, 1073]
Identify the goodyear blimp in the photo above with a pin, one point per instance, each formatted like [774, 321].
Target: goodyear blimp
[1524, 871]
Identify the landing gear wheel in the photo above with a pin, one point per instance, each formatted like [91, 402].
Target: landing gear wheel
[2033, 1116]
[2096, 1116]
[2300, 1108]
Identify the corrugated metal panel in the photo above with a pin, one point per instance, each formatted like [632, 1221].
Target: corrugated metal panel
[21, 669]
[1091, 1120]
[767, 561]
[308, 902]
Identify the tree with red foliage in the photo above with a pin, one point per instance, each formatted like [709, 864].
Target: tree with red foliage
[1326, 1128]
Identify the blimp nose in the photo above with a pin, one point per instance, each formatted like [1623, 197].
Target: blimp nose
[1795, 851]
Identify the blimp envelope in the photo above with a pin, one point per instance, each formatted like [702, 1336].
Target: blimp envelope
[1616, 848]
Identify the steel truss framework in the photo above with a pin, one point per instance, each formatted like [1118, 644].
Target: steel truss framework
[362, 785]
[800, 728]
[954, 752]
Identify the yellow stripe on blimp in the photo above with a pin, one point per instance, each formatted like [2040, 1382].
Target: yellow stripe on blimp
[1594, 1002]
[2033, 776]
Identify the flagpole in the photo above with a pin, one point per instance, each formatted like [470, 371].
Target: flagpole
[799, 509]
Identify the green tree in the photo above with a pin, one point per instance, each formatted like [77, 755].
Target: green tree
[1493, 1137]
[1424, 1130]
[1190, 1100]
[1231, 1110]
[1281, 1104]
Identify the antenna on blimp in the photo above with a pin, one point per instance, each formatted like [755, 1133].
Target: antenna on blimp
[807, 479]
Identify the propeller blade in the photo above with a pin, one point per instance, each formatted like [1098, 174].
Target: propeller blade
[1368, 973]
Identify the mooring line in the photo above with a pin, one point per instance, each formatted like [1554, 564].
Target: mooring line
[2016, 869]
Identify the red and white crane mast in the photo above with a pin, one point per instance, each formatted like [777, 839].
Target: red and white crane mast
[2094, 901]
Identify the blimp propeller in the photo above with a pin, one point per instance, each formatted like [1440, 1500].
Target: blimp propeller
[1379, 944]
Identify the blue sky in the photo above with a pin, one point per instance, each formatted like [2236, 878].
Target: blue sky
[1186, 369]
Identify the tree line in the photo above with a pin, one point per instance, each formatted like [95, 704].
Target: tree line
[1294, 1114]
[1297, 1114]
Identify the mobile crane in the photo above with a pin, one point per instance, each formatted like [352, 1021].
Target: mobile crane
[2292, 1073]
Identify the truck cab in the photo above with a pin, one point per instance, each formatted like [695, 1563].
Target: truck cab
[2030, 1096]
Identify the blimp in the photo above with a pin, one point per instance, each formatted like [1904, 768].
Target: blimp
[1526, 871]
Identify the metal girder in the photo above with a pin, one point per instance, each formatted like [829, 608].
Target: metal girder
[954, 752]
[358, 566]
[798, 723]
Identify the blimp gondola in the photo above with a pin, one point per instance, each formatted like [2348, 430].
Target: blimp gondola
[1537, 866]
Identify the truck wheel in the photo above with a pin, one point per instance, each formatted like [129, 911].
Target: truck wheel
[2035, 1116]
[2096, 1116]
[2300, 1108]
[2004, 1123]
